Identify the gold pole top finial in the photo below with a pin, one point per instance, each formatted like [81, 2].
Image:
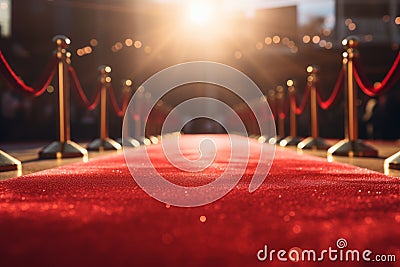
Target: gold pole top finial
[291, 88]
[279, 89]
[271, 94]
[62, 41]
[279, 92]
[312, 69]
[126, 82]
[104, 69]
[351, 42]
[104, 72]
[126, 85]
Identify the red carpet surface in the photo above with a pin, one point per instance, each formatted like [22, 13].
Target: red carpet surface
[94, 214]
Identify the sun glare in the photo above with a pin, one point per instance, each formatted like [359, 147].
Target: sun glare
[200, 12]
[203, 20]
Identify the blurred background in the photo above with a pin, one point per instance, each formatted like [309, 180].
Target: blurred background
[269, 40]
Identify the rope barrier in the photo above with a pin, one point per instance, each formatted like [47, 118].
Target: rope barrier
[64, 147]
[387, 83]
[104, 142]
[118, 111]
[282, 115]
[336, 90]
[303, 103]
[90, 105]
[15, 82]
[314, 141]
[351, 146]
[292, 139]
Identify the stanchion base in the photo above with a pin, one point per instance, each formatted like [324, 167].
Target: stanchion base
[313, 143]
[103, 144]
[290, 141]
[275, 140]
[261, 139]
[144, 141]
[9, 163]
[392, 162]
[356, 148]
[130, 142]
[58, 150]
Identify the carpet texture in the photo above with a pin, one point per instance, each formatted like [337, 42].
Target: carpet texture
[94, 214]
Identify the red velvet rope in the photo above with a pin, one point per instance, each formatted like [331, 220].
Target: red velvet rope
[304, 101]
[15, 82]
[336, 90]
[78, 87]
[387, 83]
[119, 111]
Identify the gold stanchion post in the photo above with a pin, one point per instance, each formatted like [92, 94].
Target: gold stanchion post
[9, 163]
[314, 141]
[128, 141]
[351, 146]
[280, 96]
[292, 139]
[64, 148]
[138, 106]
[140, 102]
[272, 99]
[104, 142]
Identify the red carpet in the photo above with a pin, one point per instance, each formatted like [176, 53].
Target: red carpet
[93, 214]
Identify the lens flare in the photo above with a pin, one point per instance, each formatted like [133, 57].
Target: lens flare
[200, 13]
